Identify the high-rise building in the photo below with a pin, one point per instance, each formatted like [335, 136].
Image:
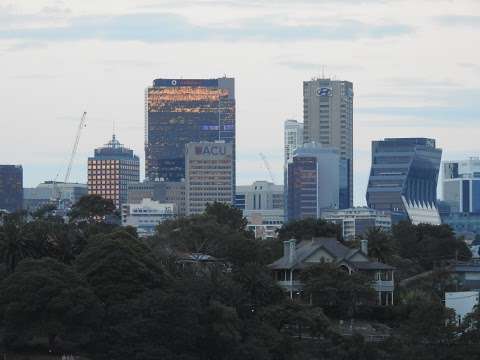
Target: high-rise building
[169, 192]
[461, 185]
[328, 120]
[11, 187]
[262, 205]
[180, 111]
[313, 181]
[403, 179]
[356, 222]
[110, 170]
[52, 191]
[292, 138]
[209, 174]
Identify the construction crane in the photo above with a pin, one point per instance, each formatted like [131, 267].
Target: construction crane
[75, 146]
[57, 192]
[267, 166]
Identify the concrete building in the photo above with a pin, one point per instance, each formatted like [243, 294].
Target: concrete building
[262, 205]
[169, 192]
[180, 111]
[313, 181]
[298, 257]
[210, 173]
[356, 222]
[110, 170]
[461, 185]
[292, 138]
[146, 215]
[11, 188]
[403, 179]
[52, 191]
[328, 120]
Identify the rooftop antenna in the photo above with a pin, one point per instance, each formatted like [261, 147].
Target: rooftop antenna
[323, 71]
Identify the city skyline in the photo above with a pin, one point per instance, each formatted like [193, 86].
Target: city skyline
[105, 73]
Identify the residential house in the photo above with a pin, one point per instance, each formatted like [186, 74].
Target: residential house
[298, 257]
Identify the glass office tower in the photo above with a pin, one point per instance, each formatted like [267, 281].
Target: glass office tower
[180, 111]
[403, 179]
[11, 187]
[313, 184]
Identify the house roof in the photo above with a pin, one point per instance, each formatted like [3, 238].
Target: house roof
[336, 249]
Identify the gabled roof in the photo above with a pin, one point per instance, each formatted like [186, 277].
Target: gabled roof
[336, 249]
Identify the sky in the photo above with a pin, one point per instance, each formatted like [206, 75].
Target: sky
[415, 65]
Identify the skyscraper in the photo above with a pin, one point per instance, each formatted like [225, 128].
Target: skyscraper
[313, 181]
[110, 170]
[11, 187]
[209, 175]
[403, 178]
[293, 138]
[180, 111]
[461, 185]
[328, 120]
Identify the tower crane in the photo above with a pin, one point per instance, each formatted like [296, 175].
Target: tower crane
[267, 166]
[75, 146]
[81, 125]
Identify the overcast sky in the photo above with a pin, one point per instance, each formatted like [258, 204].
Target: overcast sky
[415, 65]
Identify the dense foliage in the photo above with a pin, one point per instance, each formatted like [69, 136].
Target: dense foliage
[93, 288]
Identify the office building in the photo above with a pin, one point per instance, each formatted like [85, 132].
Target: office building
[146, 215]
[50, 192]
[328, 120]
[11, 188]
[356, 222]
[461, 185]
[161, 191]
[403, 179]
[110, 170]
[463, 223]
[313, 181]
[292, 138]
[210, 171]
[263, 207]
[180, 111]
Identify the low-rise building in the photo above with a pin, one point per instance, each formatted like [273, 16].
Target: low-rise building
[262, 205]
[356, 222]
[169, 192]
[297, 257]
[146, 215]
[52, 191]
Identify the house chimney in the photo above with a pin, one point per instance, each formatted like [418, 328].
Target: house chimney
[364, 246]
[289, 248]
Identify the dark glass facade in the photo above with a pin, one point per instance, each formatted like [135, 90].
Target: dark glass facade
[344, 195]
[403, 178]
[302, 188]
[180, 111]
[11, 187]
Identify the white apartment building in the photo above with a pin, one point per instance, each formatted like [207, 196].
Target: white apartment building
[146, 215]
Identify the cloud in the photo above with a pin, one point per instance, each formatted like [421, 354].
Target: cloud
[459, 20]
[455, 115]
[303, 65]
[165, 27]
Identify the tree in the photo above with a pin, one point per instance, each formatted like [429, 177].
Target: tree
[309, 228]
[380, 244]
[45, 298]
[15, 243]
[429, 245]
[92, 209]
[336, 291]
[228, 215]
[119, 267]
